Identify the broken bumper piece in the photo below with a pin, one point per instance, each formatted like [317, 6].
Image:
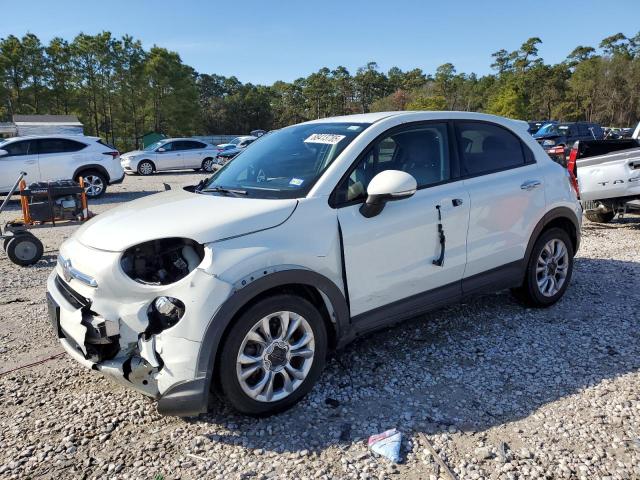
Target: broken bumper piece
[93, 341]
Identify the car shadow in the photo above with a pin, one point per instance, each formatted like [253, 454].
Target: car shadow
[469, 367]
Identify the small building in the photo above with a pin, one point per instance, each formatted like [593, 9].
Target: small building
[150, 138]
[7, 130]
[47, 125]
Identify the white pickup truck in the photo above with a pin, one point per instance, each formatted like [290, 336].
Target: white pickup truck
[608, 176]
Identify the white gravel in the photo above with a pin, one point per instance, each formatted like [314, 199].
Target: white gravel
[498, 390]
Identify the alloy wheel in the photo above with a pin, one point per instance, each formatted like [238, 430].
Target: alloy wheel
[207, 165]
[145, 168]
[275, 356]
[93, 185]
[552, 267]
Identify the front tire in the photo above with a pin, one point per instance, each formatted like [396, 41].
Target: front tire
[548, 271]
[145, 167]
[273, 355]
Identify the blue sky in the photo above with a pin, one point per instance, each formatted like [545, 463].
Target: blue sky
[264, 41]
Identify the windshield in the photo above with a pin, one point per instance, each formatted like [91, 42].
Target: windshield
[153, 146]
[286, 163]
[235, 141]
[553, 129]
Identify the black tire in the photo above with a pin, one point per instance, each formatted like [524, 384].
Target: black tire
[95, 183]
[529, 293]
[24, 249]
[227, 377]
[15, 234]
[207, 165]
[597, 216]
[146, 167]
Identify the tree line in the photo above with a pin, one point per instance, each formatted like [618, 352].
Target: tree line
[120, 91]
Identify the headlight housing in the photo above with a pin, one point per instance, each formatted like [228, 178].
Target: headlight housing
[163, 261]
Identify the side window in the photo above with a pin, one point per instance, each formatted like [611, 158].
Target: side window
[196, 145]
[485, 148]
[421, 151]
[58, 145]
[169, 147]
[18, 148]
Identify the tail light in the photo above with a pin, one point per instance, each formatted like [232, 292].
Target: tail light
[113, 154]
[559, 150]
[573, 169]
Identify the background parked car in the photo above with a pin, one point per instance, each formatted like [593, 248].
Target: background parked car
[238, 142]
[535, 125]
[229, 150]
[60, 157]
[557, 138]
[170, 154]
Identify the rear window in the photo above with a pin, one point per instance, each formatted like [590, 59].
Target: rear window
[102, 142]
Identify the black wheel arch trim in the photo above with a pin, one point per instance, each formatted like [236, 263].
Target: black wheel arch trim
[554, 214]
[92, 166]
[191, 398]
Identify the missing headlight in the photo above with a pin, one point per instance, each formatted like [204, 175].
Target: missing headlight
[163, 261]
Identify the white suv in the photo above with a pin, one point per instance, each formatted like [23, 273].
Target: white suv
[318, 233]
[60, 157]
[170, 154]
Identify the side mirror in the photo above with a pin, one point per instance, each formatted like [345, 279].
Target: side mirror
[3, 153]
[161, 149]
[387, 186]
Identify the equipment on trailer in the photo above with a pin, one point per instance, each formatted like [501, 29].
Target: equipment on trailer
[62, 202]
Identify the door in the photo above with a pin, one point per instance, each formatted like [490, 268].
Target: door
[192, 154]
[169, 157]
[506, 191]
[390, 257]
[59, 158]
[21, 157]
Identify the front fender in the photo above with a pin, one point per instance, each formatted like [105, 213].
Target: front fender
[190, 398]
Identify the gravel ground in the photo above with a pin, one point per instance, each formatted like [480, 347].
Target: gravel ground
[498, 390]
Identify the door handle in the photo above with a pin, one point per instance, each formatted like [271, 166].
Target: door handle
[456, 202]
[530, 184]
[30, 162]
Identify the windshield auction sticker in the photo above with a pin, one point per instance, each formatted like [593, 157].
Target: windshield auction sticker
[326, 138]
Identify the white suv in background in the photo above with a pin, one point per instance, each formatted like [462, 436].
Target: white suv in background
[170, 154]
[318, 233]
[60, 157]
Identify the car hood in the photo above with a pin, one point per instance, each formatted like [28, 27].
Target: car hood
[177, 213]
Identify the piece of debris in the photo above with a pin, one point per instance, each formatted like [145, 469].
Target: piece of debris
[437, 457]
[387, 444]
[332, 402]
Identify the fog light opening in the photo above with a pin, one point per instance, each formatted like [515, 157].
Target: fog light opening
[163, 313]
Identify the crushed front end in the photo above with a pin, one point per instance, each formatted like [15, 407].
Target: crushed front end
[136, 316]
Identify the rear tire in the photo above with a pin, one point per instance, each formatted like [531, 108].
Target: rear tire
[597, 216]
[24, 249]
[287, 363]
[207, 165]
[145, 167]
[95, 183]
[548, 271]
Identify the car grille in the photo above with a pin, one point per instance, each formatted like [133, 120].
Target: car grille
[70, 295]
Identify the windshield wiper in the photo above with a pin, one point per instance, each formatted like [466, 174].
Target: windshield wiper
[227, 191]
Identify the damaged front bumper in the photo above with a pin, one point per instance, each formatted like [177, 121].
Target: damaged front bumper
[93, 341]
[103, 328]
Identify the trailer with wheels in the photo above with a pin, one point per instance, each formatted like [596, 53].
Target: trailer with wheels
[43, 204]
